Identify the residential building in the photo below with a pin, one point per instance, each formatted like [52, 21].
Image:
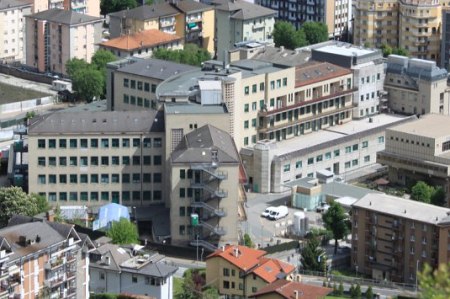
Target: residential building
[142, 43]
[12, 47]
[239, 271]
[367, 64]
[238, 21]
[336, 14]
[190, 20]
[89, 7]
[93, 158]
[55, 36]
[118, 270]
[445, 42]
[384, 22]
[341, 149]
[416, 86]
[284, 289]
[131, 83]
[39, 257]
[205, 175]
[393, 238]
[419, 150]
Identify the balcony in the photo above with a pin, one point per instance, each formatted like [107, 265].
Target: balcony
[220, 193]
[55, 281]
[210, 168]
[218, 230]
[219, 212]
[258, 26]
[54, 264]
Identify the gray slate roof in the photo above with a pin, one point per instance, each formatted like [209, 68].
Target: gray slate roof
[117, 256]
[146, 12]
[243, 10]
[156, 68]
[190, 6]
[197, 147]
[98, 122]
[62, 16]
[9, 4]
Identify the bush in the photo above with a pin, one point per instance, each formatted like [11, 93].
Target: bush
[340, 291]
[103, 296]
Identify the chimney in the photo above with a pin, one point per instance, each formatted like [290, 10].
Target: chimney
[236, 252]
[50, 215]
[296, 294]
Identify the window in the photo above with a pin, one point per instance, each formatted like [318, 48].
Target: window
[298, 164]
[41, 143]
[157, 160]
[261, 86]
[125, 160]
[84, 161]
[157, 142]
[126, 82]
[284, 81]
[52, 196]
[52, 143]
[182, 211]
[105, 195]
[287, 167]
[147, 143]
[245, 140]
[115, 160]
[84, 196]
[136, 160]
[115, 178]
[62, 143]
[52, 178]
[226, 284]
[73, 196]
[182, 173]
[62, 161]
[226, 272]
[63, 179]
[328, 156]
[365, 144]
[147, 160]
[115, 142]
[94, 143]
[125, 142]
[94, 196]
[246, 107]
[136, 178]
[310, 161]
[355, 147]
[94, 161]
[319, 158]
[104, 178]
[73, 161]
[254, 106]
[73, 143]
[94, 178]
[245, 124]
[366, 159]
[63, 196]
[125, 195]
[126, 178]
[105, 161]
[348, 149]
[381, 139]
[354, 162]
[105, 143]
[41, 161]
[147, 177]
[139, 85]
[153, 88]
[157, 177]
[157, 195]
[254, 122]
[41, 179]
[254, 88]
[83, 143]
[347, 165]
[83, 178]
[246, 90]
[133, 84]
[136, 142]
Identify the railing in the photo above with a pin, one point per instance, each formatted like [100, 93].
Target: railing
[208, 168]
[217, 192]
[218, 230]
[218, 212]
[203, 243]
[54, 264]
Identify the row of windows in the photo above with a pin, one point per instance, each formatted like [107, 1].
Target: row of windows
[139, 85]
[445, 145]
[254, 106]
[102, 161]
[103, 142]
[104, 178]
[113, 196]
[138, 101]
[366, 80]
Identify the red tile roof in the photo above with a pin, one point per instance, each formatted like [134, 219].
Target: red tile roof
[245, 259]
[315, 71]
[286, 289]
[144, 39]
[269, 269]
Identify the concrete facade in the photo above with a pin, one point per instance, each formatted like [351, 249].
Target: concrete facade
[88, 7]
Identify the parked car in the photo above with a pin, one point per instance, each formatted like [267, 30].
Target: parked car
[267, 211]
[278, 213]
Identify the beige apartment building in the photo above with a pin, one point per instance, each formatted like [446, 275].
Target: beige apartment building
[43, 259]
[93, 158]
[393, 238]
[419, 150]
[55, 36]
[12, 28]
[414, 25]
[88, 7]
[192, 21]
[205, 176]
[416, 86]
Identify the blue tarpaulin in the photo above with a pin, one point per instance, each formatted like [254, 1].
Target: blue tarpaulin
[109, 213]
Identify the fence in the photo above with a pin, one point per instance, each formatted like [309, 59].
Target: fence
[26, 105]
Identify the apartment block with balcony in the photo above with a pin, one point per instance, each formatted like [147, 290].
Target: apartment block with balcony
[188, 19]
[368, 74]
[205, 175]
[12, 25]
[93, 158]
[40, 258]
[89, 7]
[240, 21]
[419, 150]
[393, 238]
[334, 13]
[416, 86]
[55, 36]
[445, 42]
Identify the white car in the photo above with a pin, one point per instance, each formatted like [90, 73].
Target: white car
[267, 211]
[278, 213]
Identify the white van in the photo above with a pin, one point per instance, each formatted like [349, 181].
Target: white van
[267, 211]
[278, 213]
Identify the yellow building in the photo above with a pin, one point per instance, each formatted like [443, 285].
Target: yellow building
[242, 271]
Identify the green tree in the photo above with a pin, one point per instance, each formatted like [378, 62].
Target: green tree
[284, 34]
[340, 291]
[123, 232]
[439, 198]
[75, 65]
[41, 203]
[357, 292]
[313, 256]
[422, 192]
[352, 291]
[13, 201]
[435, 284]
[109, 6]
[191, 54]
[88, 84]
[400, 51]
[315, 32]
[248, 241]
[193, 282]
[149, 2]
[386, 49]
[99, 61]
[335, 221]
[369, 293]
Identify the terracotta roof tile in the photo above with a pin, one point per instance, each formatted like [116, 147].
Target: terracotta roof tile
[245, 259]
[315, 71]
[286, 289]
[144, 39]
[270, 269]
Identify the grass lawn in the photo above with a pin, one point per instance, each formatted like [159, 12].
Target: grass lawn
[177, 286]
[11, 93]
[336, 297]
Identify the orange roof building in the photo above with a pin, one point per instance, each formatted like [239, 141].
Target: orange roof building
[241, 271]
[285, 289]
[142, 43]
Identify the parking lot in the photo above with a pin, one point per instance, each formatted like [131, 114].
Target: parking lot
[265, 231]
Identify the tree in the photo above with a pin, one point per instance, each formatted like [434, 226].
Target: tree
[369, 293]
[340, 291]
[75, 65]
[315, 32]
[435, 284]
[88, 84]
[313, 256]
[386, 49]
[109, 6]
[191, 54]
[41, 203]
[400, 51]
[123, 232]
[13, 201]
[248, 241]
[149, 2]
[439, 198]
[351, 290]
[194, 281]
[422, 192]
[335, 221]
[357, 291]
[284, 34]
[99, 61]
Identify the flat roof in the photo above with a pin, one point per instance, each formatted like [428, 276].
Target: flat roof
[404, 208]
[193, 108]
[345, 49]
[429, 125]
[156, 68]
[303, 144]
